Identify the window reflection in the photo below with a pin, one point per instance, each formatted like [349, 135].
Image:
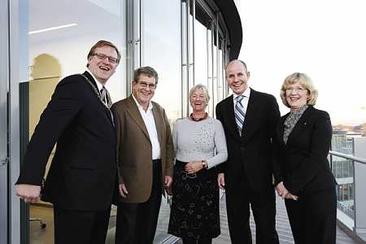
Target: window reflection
[161, 43]
[59, 38]
[209, 58]
[201, 56]
[71, 43]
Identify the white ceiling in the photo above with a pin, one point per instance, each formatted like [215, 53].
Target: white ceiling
[90, 16]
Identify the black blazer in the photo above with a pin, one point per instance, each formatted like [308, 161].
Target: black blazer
[83, 171]
[250, 155]
[303, 160]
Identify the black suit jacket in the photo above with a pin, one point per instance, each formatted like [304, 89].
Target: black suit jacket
[303, 160]
[83, 171]
[250, 155]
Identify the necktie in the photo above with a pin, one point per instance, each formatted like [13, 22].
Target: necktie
[239, 113]
[105, 97]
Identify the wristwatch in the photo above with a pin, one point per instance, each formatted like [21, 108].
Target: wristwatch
[204, 164]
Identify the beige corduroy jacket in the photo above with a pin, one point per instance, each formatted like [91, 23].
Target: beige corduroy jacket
[134, 148]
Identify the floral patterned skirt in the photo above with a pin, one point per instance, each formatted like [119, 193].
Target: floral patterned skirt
[195, 205]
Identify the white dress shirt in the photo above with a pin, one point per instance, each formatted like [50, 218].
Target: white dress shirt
[149, 121]
[99, 85]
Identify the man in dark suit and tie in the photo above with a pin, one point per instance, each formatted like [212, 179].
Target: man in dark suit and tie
[145, 159]
[249, 119]
[83, 173]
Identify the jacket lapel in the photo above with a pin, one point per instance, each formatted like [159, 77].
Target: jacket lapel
[251, 116]
[281, 128]
[230, 115]
[91, 79]
[301, 124]
[94, 90]
[136, 116]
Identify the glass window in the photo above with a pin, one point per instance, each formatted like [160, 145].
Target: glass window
[60, 35]
[4, 78]
[201, 56]
[161, 49]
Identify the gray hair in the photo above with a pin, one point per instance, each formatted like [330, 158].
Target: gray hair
[200, 87]
[146, 70]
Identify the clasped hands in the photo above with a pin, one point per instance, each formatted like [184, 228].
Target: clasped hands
[193, 167]
[284, 193]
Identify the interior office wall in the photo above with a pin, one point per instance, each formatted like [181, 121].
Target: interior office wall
[71, 54]
[88, 21]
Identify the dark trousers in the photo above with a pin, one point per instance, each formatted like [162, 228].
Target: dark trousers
[313, 217]
[239, 199]
[80, 227]
[136, 222]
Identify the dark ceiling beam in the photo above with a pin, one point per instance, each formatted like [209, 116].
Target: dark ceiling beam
[232, 19]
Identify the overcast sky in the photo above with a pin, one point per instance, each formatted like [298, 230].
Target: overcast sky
[323, 38]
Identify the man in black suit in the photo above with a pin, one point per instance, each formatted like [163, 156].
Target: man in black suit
[249, 119]
[82, 177]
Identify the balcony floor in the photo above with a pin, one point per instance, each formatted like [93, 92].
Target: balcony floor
[40, 236]
[282, 225]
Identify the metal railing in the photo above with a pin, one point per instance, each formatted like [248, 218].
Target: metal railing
[352, 207]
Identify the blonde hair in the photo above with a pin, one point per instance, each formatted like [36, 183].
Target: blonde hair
[304, 81]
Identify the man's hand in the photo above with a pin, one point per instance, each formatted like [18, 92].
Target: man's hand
[29, 193]
[168, 180]
[221, 180]
[281, 190]
[291, 196]
[123, 190]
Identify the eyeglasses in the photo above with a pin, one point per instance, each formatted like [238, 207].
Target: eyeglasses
[144, 84]
[295, 89]
[102, 56]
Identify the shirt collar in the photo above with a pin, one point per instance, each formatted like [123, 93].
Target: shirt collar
[246, 93]
[99, 85]
[150, 107]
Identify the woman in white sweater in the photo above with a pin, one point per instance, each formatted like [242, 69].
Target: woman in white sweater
[200, 145]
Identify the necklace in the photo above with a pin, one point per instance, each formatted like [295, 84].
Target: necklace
[99, 96]
[95, 90]
[198, 119]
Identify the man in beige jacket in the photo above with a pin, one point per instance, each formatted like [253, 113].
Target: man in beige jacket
[145, 159]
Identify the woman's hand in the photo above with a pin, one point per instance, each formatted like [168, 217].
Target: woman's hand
[193, 167]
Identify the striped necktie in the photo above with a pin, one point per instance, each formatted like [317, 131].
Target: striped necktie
[105, 97]
[239, 113]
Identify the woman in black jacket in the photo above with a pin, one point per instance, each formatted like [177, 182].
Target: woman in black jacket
[304, 177]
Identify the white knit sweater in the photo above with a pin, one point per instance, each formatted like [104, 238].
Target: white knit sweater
[202, 140]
